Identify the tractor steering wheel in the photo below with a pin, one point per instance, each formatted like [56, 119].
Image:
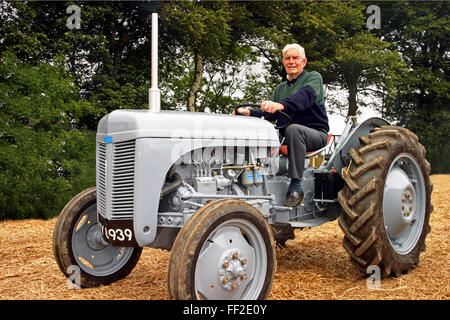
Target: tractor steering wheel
[254, 105]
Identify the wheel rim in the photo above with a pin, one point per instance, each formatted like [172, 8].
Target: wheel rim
[404, 203]
[90, 252]
[232, 263]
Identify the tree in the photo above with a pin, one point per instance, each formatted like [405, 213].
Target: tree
[267, 30]
[340, 47]
[31, 29]
[206, 34]
[116, 40]
[365, 63]
[46, 154]
[421, 102]
[104, 56]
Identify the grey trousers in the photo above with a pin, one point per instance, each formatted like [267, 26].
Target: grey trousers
[299, 140]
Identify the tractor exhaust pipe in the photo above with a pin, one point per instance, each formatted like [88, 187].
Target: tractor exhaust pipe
[154, 95]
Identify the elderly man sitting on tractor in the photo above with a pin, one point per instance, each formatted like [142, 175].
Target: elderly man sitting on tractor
[302, 98]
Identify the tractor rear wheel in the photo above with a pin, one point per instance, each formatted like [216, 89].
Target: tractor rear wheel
[224, 252]
[386, 201]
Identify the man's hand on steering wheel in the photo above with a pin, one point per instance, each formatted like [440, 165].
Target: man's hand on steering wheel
[241, 111]
[271, 106]
[267, 106]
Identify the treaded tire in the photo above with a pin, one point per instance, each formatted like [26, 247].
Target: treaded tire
[366, 238]
[172, 274]
[197, 231]
[63, 251]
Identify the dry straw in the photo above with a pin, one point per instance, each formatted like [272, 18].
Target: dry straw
[313, 266]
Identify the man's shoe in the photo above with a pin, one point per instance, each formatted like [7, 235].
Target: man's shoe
[293, 199]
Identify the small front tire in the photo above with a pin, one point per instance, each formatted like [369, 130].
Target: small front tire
[225, 252]
[77, 243]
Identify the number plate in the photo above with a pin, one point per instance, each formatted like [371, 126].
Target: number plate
[119, 233]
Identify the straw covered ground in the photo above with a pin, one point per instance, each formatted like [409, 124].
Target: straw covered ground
[313, 266]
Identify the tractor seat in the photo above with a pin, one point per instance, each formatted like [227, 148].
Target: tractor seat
[284, 149]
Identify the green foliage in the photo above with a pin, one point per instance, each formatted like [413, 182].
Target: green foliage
[56, 83]
[348, 56]
[46, 155]
[421, 101]
[210, 34]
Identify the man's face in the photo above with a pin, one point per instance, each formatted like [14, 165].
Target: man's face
[293, 63]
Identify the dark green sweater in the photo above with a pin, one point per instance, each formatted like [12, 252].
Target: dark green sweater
[303, 99]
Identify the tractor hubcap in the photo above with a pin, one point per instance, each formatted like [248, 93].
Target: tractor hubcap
[232, 263]
[233, 270]
[404, 203]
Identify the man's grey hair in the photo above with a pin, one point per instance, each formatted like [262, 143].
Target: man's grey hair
[296, 46]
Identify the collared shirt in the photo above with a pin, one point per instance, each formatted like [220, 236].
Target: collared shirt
[291, 82]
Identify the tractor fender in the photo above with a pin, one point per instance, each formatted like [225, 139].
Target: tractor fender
[340, 157]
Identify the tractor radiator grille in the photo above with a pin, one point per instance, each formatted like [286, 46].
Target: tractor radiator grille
[122, 190]
[115, 180]
[101, 178]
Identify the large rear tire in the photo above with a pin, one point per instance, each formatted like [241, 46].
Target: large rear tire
[386, 201]
[77, 243]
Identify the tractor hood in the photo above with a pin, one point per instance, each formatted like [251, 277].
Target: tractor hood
[122, 125]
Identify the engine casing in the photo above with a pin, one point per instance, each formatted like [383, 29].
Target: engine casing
[136, 149]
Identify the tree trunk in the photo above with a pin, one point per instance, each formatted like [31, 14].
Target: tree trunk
[195, 86]
[352, 106]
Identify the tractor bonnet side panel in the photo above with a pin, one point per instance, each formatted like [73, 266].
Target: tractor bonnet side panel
[135, 150]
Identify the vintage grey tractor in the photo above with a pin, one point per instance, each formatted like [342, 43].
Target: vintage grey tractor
[211, 189]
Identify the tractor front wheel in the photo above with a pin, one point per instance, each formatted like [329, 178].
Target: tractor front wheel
[77, 243]
[224, 252]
